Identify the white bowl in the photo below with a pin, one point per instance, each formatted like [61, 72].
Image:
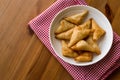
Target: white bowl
[104, 43]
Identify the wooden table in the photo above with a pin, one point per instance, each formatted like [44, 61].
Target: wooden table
[22, 55]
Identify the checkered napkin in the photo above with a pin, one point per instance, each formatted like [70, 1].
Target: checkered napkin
[98, 71]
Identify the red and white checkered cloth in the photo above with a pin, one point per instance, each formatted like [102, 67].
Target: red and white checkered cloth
[98, 71]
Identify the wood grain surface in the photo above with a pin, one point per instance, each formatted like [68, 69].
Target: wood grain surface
[22, 55]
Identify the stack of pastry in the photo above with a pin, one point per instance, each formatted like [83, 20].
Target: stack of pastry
[78, 38]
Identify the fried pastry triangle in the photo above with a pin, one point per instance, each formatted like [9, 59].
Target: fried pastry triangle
[86, 25]
[88, 45]
[66, 51]
[65, 35]
[64, 26]
[77, 18]
[83, 45]
[78, 34]
[98, 31]
[84, 57]
[93, 44]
